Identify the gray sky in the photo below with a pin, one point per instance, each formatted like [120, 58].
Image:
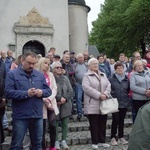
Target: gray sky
[95, 9]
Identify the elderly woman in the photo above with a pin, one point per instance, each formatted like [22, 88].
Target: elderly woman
[140, 85]
[63, 98]
[120, 90]
[96, 88]
[50, 109]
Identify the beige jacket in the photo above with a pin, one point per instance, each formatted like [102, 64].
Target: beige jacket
[93, 86]
[51, 98]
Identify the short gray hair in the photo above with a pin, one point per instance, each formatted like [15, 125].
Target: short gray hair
[80, 54]
[92, 60]
[55, 64]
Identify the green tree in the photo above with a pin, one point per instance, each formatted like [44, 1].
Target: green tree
[122, 26]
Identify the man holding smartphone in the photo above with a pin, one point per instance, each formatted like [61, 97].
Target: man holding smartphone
[27, 88]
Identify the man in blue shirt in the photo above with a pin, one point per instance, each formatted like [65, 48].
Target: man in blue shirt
[27, 88]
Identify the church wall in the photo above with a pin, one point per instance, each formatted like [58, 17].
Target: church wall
[55, 10]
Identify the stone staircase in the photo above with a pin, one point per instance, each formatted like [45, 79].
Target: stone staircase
[79, 137]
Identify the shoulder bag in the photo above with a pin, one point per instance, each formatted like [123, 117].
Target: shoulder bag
[108, 106]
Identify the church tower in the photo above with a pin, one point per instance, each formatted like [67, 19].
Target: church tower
[78, 27]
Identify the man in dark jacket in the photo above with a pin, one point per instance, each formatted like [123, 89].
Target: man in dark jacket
[9, 60]
[27, 88]
[2, 100]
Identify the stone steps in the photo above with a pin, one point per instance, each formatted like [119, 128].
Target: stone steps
[74, 138]
[84, 137]
[78, 133]
[88, 147]
[84, 126]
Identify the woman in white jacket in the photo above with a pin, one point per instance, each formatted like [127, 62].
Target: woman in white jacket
[96, 88]
[50, 109]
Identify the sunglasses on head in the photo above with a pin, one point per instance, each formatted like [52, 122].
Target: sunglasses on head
[58, 67]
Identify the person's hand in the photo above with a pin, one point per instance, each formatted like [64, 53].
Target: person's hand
[63, 71]
[31, 92]
[63, 100]
[147, 93]
[103, 96]
[3, 103]
[48, 103]
[39, 92]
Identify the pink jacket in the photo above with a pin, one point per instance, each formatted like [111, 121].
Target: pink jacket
[93, 86]
[53, 87]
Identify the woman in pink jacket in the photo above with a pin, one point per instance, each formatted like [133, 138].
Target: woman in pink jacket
[96, 88]
[50, 109]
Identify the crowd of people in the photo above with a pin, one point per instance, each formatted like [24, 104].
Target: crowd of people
[43, 90]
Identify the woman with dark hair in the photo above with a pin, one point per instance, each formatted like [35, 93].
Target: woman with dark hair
[16, 62]
[147, 57]
[119, 89]
[102, 66]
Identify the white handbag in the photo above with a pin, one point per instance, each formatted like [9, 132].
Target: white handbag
[109, 106]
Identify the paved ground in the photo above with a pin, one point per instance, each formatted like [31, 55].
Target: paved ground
[88, 147]
[79, 136]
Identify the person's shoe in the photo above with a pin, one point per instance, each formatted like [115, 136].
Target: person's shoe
[114, 142]
[57, 145]
[9, 128]
[123, 141]
[79, 117]
[104, 145]
[64, 145]
[94, 146]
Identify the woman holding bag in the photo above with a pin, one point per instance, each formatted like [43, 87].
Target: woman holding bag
[120, 90]
[96, 88]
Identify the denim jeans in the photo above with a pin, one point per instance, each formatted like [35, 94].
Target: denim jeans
[5, 121]
[79, 97]
[20, 126]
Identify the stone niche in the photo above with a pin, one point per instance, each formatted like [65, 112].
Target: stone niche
[33, 27]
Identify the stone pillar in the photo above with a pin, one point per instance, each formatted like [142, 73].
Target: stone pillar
[78, 27]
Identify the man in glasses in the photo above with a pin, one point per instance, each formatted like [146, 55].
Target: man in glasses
[27, 88]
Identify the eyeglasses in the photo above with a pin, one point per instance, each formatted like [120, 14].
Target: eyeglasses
[58, 67]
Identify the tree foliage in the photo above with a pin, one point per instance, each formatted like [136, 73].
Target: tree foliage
[122, 26]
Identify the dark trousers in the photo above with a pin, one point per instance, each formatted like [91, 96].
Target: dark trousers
[97, 128]
[118, 122]
[1, 132]
[139, 103]
[52, 129]
[133, 110]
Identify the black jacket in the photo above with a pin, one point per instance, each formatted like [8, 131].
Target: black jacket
[120, 90]
[2, 85]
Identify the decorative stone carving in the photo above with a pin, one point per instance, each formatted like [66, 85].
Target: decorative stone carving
[34, 19]
[33, 27]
